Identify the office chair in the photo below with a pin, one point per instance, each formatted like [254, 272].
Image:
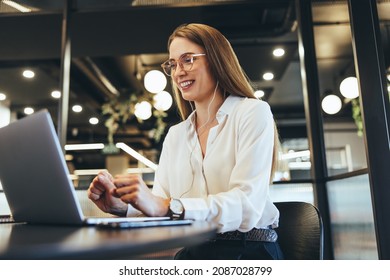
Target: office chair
[300, 231]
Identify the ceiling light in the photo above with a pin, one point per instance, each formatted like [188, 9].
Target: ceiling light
[268, 76]
[2, 96]
[388, 77]
[349, 87]
[88, 172]
[331, 104]
[155, 81]
[16, 6]
[77, 108]
[143, 110]
[259, 93]
[278, 52]
[56, 94]
[29, 74]
[162, 101]
[78, 147]
[28, 110]
[93, 120]
[137, 155]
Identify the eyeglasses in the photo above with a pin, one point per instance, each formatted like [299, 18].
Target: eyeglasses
[185, 62]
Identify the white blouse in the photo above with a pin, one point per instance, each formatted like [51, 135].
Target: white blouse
[230, 185]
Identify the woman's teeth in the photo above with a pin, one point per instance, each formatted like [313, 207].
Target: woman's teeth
[185, 84]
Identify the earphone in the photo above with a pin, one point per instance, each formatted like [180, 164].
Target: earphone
[193, 147]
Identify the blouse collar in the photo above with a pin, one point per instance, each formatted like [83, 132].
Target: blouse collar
[225, 109]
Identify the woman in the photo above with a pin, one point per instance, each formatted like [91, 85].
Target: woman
[215, 165]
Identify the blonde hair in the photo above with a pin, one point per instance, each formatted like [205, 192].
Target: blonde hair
[224, 66]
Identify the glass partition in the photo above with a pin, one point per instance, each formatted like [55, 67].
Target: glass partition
[345, 151]
[292, 192]
[352, 222]
[294, 161]
[384, 19]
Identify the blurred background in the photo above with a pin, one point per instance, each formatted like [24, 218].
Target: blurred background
[114, 44]
[116, 95]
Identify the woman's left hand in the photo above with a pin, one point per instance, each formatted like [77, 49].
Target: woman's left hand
[133, 190]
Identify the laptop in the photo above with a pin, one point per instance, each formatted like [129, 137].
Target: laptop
[36, 181]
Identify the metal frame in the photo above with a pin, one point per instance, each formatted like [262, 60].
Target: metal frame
[370, 70]
[312, 103]
[63, 106]
[374, 100]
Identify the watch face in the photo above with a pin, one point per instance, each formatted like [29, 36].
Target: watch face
[176, 206]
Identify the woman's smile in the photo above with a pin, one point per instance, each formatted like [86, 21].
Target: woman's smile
[185, 85]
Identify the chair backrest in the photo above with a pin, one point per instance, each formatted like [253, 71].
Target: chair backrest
[300, 231]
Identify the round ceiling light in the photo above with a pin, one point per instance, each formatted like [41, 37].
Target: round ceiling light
[279, 52]
[28, 110]
[155, 81]
[143, 110]
[56, 94]
[162, 101]
[349, 87]
[331, 104]
[268, 76]
[29, 74]
[94, 121]
[77, 108]
[259, 93]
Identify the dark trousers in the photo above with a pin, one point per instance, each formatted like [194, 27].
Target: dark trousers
[232, 250]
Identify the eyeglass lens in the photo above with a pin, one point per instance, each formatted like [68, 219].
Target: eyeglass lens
[185, 62]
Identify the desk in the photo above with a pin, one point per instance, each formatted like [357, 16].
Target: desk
[23, 241]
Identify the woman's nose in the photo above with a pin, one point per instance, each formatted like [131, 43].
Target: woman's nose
[179, 71]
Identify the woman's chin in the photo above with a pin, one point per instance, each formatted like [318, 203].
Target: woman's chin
[187, 97]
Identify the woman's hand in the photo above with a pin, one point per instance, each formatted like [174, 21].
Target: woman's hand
[102, 192]
[130, 188]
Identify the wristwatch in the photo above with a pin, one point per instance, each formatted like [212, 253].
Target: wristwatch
[176, 209]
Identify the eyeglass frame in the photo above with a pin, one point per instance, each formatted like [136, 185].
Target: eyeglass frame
[192, 55]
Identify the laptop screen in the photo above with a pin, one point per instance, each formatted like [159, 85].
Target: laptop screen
[34, 174]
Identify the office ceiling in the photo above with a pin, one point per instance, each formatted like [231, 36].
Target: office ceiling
[115, 43]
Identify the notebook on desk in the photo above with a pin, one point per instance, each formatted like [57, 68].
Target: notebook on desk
[36, 180]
